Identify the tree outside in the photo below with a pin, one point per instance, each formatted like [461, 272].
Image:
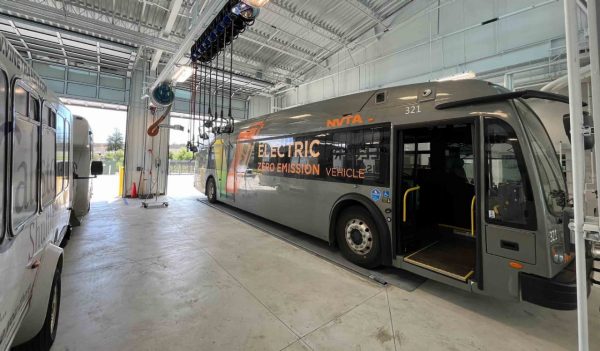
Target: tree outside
[115, 141]
[182, 154]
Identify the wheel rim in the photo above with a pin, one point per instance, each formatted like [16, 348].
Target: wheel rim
[54, 310]
[359, 236]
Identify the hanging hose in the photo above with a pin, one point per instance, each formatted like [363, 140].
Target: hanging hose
[231, 82]
[155, 127]
[209, 123]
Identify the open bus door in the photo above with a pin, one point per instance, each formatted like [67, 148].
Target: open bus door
[437, 182]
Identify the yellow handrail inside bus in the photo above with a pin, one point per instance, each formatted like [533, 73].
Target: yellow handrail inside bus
[408, 191]
[473, 216]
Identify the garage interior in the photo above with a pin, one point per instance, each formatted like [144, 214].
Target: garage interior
[197, 275]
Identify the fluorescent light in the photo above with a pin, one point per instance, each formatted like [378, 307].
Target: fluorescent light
[256, 3]
[301, 116]
[459, 76]
[182, 74]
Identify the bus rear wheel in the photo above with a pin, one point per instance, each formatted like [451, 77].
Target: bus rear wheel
[211, 190]
[358, 237]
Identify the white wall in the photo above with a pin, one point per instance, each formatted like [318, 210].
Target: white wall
[429, 44]
[258, 106]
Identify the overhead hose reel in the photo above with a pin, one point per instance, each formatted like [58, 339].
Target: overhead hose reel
[162, 96]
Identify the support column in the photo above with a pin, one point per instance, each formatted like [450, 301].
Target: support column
[140, 163]
[578, 168]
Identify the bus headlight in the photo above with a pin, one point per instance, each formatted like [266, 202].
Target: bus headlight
[558, 254]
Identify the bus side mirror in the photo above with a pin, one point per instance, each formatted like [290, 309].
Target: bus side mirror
[97, 168]
[588, 124]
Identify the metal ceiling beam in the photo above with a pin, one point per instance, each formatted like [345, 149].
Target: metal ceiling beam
[359, 5]
[286, 51]
[289, 15]
[174, 8]
[84, 25]
[207, 13]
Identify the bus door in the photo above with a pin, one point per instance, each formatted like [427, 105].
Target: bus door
[228, 156]
[437, 182]
[509, 209]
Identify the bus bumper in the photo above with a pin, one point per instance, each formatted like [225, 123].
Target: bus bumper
[559, 293]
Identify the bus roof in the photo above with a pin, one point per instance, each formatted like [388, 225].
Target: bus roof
[342, 111]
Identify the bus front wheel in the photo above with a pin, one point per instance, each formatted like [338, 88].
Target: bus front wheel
[45, 338]
[358, 237]
[211, 190]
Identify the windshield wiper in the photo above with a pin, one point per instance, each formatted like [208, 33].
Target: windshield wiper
[523, 94]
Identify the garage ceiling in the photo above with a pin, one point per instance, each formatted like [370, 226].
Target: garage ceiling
[290, 37]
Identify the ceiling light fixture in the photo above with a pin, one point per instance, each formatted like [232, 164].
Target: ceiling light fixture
[256, 3]
[182, 74]
[459, 76]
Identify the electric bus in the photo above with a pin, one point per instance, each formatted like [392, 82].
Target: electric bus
[455, 181]
[35, 203]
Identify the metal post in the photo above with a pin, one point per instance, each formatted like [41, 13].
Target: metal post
[578, 167]
[592, 15]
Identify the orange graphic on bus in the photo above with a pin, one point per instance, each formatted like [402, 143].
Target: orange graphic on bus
[347, 120]
[241, 155]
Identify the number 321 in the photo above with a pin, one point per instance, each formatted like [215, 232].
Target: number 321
[411, 110]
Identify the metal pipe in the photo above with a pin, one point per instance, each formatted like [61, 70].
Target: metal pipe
[592, 17]
[577, 169]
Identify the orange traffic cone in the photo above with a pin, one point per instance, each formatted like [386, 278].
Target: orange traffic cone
[134, 191]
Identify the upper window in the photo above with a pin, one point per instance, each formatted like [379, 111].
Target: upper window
[509, 199]
[60, 154]
[25, 158]
[48, 163]
[67, 153]
[3, 122]
[20, 101]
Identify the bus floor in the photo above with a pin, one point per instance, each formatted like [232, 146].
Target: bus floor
[450, 255]
[189, 277]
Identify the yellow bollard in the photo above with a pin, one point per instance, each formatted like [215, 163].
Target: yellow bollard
[121, 180]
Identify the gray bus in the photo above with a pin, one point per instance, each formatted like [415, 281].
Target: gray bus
[456, 181]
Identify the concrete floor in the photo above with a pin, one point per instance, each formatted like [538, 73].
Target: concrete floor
[189, 277]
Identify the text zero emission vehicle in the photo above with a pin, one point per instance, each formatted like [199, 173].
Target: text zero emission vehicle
[35, 203]
[455, 181]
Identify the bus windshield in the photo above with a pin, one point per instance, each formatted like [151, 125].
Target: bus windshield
[551, 178]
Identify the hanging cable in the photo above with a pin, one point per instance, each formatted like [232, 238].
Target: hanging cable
[223, 74]
[216, 125]
[231, 79]
[209, 123]
[204, 97]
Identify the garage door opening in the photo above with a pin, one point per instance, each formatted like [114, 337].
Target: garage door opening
[181, 161]
[108, 128]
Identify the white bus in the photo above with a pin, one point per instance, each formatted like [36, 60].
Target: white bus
[35, 206]
[83, 149]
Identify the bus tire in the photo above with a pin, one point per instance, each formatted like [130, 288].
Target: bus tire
[211, 190]
[45, 338]
[358, 237]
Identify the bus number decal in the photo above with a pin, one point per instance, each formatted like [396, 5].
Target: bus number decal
[411, 110]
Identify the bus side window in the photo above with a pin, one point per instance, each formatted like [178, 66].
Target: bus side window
[509, 199]
[60, 153]
[67, 153]
[48, 157]
[3, 122]
[25, 158]
[211, 158]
